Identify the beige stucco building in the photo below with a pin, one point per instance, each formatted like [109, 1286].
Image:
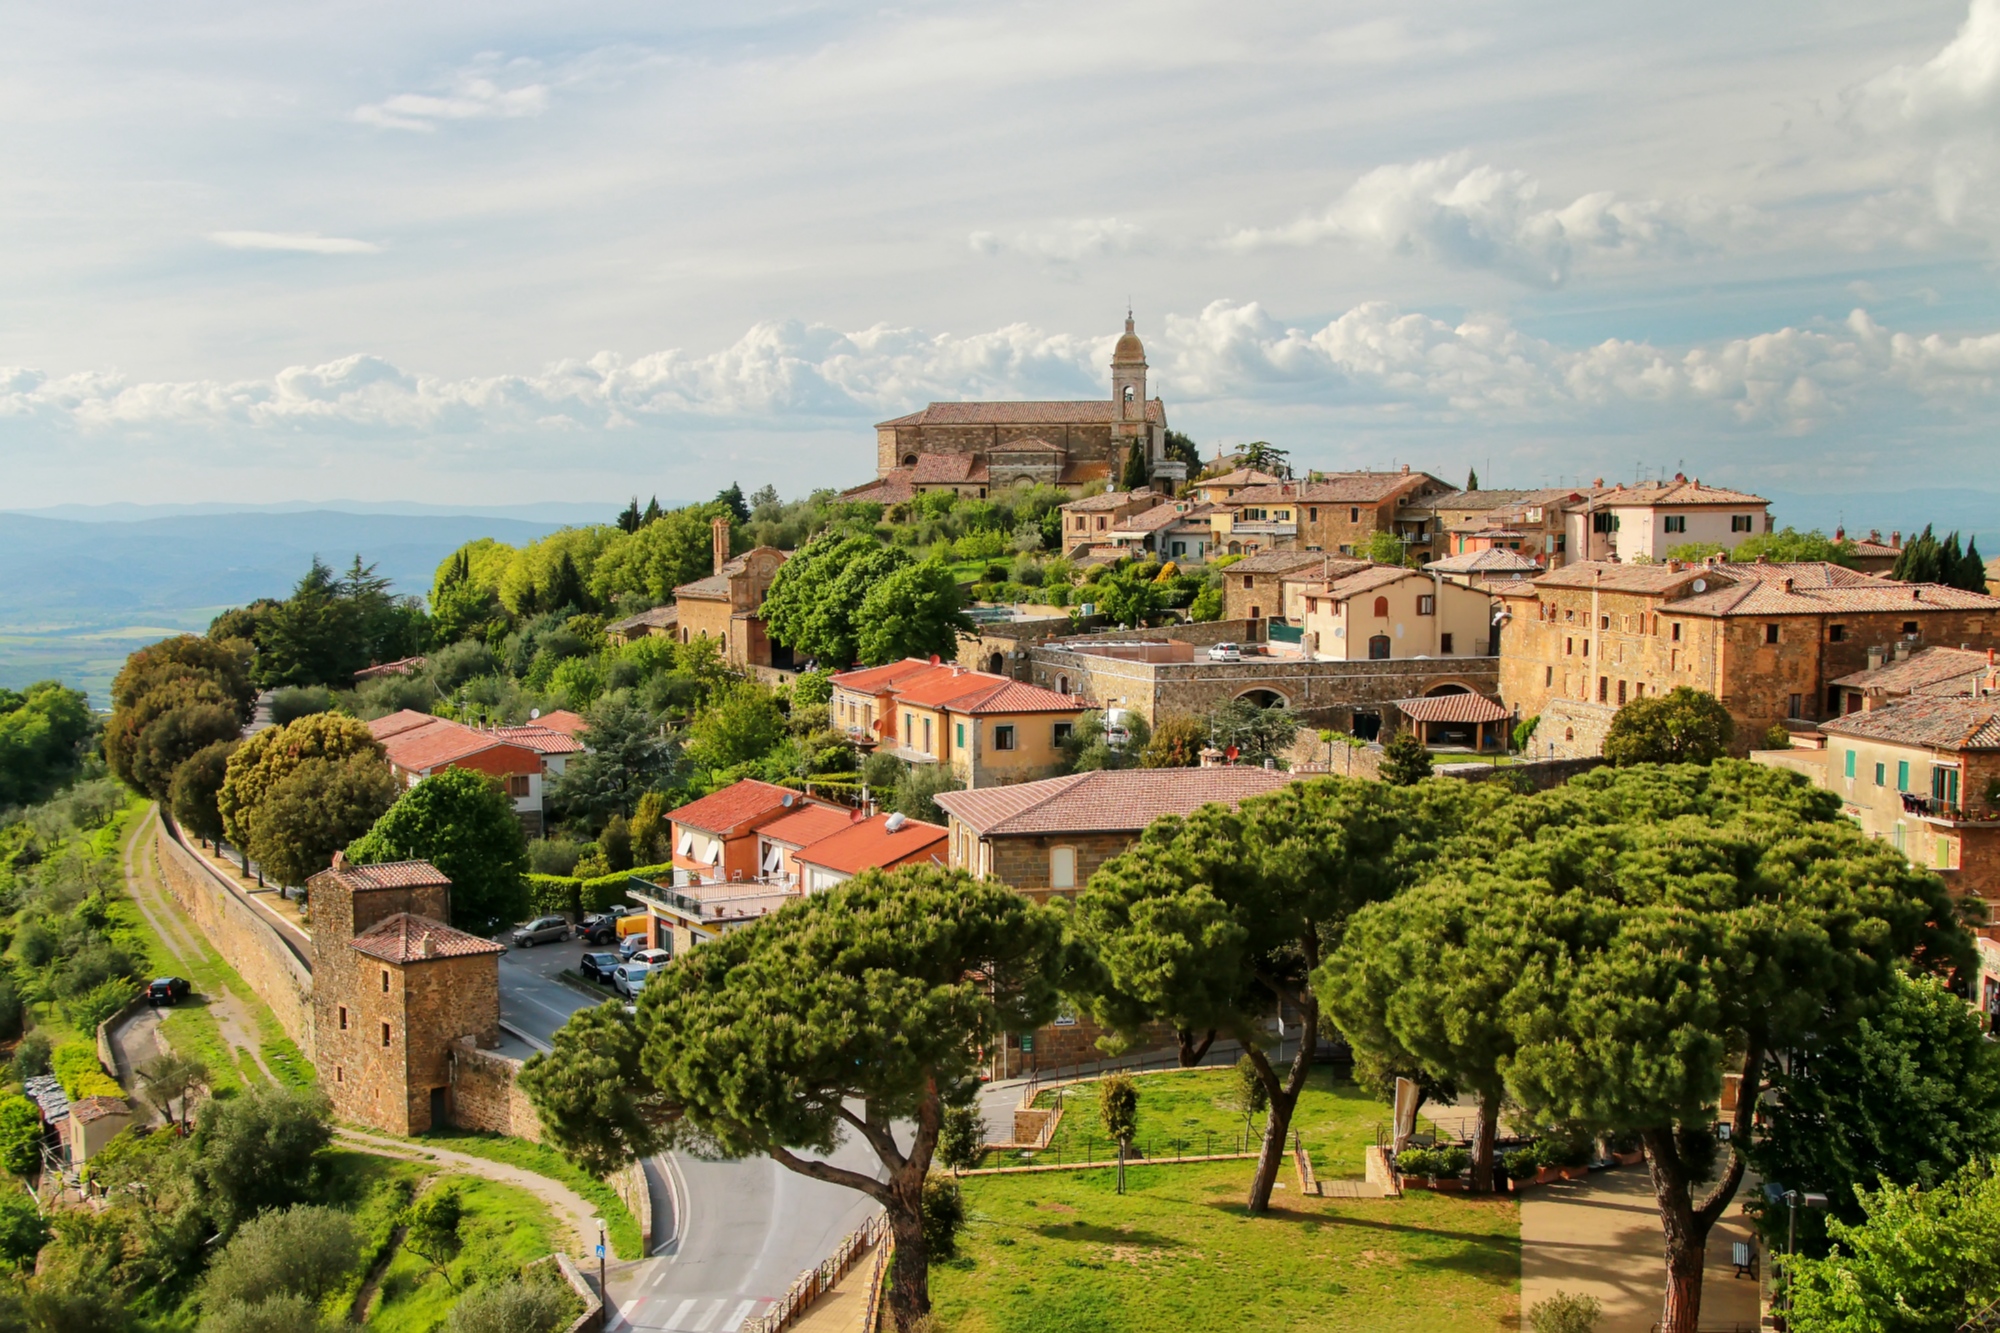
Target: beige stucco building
[1645, 522]
[991, 730]
[1384, 612]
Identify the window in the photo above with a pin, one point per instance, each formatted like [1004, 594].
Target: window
[1902, 775]
[1378, 648]
[1677, 523]
[927, 737]
[1312, 515]
[339, 1074]
[517, 784]
[1909, 627]
[1621, 694]
[1570, 614]
[1062, 867]
[1382, 607]
[1102, 522]
[343, 1018]
[1739, 522]
[1354, 516]
[1249, 582]
[1444, 643]
[1586, 647]
[1548, 677]
[909, 725]
[1003, 737]
[385, 1034]
[1063, 731]
[1677, 631]
[1062, 684]
[1604, 622]
[1569, 647]
[1256, 613]
[1770, 634]
[1604, 689]
[1836, 633]
[1427, 605]
[385, 981]
[1639, 690]
[1795, 706]
[958, 737]
[1850, 763]
[1603, 522]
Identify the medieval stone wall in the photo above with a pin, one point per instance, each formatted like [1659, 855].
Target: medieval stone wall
[247, 942]
[1572, 729]
[485, 1094]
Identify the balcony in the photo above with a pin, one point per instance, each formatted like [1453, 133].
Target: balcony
[1949, 814]
[718, 902]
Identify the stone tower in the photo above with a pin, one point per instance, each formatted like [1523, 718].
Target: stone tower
[1128, 395]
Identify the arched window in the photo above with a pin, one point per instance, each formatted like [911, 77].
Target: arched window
[1062, 684]
[1378, 648]
[1569, 733]
[997, 664]
[909, 460]
[1382, 610]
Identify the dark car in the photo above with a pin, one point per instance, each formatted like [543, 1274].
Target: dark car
[167, 990]
[602, 927]
[598, 967]
[542, 930]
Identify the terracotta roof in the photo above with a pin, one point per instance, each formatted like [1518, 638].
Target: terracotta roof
[892, 487]
[1923, 671]
[1243, 476]
[396, 723]
[542, 740]
[1677, 492]
[1874, 549]
[1822, 589]
[408, 938]
[657, 618]
[1492, 560]
[735, 805]
[1275, 562]
[386, 875]
[402, 666]
[1344, 488]
[1328, 569]
[947, 469]
[1472, 501]
[1467, 707]
[1612, 576]
[561, 719]
[1091, 410]
[423, 748]
[1113, 500]
[859, 847]
[1940, 723]
[1368, 580]
[96, 1108]
[951, 685]
[808, 825]
[1082, 473]
[1106, 801]
[878, 680]
[1017, 696]
[1161, 516]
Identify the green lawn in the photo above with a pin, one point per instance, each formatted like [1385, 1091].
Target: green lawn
[1060, 1252]
[621, 1226]
[504, 1228]
[1188, 1111]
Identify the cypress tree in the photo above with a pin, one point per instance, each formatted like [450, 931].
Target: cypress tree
[1472, 479]
[1135, 469]
[1971, 568]
[628, 519]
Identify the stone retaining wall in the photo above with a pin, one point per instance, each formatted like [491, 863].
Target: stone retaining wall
[247, 942]
[631, 1186]
[485, 1094]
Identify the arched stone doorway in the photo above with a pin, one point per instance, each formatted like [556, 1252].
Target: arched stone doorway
[997, 664]
[1264, 698]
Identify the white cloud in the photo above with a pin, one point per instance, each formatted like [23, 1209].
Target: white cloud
[1791, 380]
[1066, 242]
[301, 242]
[490, 89]
[1469, 216]
[1960, 83]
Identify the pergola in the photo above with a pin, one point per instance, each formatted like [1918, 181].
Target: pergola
[1458, 719]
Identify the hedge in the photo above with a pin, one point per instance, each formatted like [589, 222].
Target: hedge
[567, 893]
[76, 1068]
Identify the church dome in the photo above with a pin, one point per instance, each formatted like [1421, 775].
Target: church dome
[1129, 349]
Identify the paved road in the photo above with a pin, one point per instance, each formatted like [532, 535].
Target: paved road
[729, 1236]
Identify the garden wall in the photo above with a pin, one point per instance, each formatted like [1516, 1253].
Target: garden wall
[247, 942]
[485, 1094]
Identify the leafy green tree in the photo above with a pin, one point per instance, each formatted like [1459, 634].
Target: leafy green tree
[814, 604]
[172, 1079]
[513, 1306]
[1247, 1094]
[23, 1230]
[259, 1150]
[1207, 604]
[731, 498]
[1925, 559]
[1971, 574]
[306, 1251]
[20, 1135]
[464, 824]
[862, 1009]
[631, 753]
[961, 1138]
[1212, 921]
[1787, 546]
[1177, 742]
[1384, 549]
[42, 733]
[1256, 733]
[276, 1314]
[944, 1216]
[742, 723]
[1183, 449]
[1682, 920]
[1131, 595]
[430, 1229]
[270, 756]
[222, 662]
[1134, 476]
[1472, 479]
[196, 785]
[918, 788]
[913, 612]
[311, 637]
[629, 518]
[1683, 726]
[1118, 1109]
[142, 753]
[315, 810]
[1264, 456]
[1405, 760]
[1906, 1096]
[593, 1100]
[1921, 1260]
[663, 553]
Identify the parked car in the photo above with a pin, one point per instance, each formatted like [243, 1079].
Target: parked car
[630, 979]
[598, 967]
[542, 930]
[1225, 652]
[630, 945]
[653, 957]
[602, 927]
[167, 990]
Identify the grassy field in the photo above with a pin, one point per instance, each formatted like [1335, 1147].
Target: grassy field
[1062, 1253]
[621, 1226]
[1190, 1112]
[503, 1229]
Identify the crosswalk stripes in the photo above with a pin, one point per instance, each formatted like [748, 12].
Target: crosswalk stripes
[666, 1314]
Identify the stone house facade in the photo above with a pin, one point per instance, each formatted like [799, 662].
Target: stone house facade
[727, 605]
[1384, 613]
[1339, 513]
[1767, 640]
[988, 728]
[393, 988]
[1645, 522]
[1253, 588]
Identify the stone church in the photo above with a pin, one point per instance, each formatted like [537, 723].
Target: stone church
[976, 447]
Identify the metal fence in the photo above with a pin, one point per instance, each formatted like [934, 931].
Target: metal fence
[814, 1283]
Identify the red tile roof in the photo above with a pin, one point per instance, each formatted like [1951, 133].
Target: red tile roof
[387, 875]
[396, 723]
[735, 805]
[1677, 492]
[402, 666]
[1823, 589]
[942, 690]
[1113, 500]
[1368, 580]
[1242, 476]
[1017, 696]
[893, 487]
[561, 719]
[1937, 723]
[947, 469]
[871, 843]
[1021, 414]
[1613, 576]
[804, 827]
[422, 749]
[1467, 707]
[1274, 562]
[1029, 445]
[408, 938]
[1107, 801]
[1924, 670]
[1492, 560]
[878, 680]
[96, 1108]
[542, 740]
[1341, 488]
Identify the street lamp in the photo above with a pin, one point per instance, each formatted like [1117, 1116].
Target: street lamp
[602, 1294]
[1793, 1198]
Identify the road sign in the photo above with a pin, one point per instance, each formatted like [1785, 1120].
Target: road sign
[1027, 1043]
[600, 1251]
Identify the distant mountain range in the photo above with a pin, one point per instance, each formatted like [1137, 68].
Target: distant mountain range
[558, 513]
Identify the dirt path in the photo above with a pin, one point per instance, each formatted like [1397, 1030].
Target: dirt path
[570, 1208]
[183, 940]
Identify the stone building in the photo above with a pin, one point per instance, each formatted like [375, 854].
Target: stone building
[1894, 672]
[727, 605]
[393, 988]
[1253, 587]
[1385, 612]
[999, 445]
[1768, 640]
[1340, 513]
[989, 729]
[1644, 522]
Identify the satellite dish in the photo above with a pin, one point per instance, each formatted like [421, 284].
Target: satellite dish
[1699, 585]
[534, 713]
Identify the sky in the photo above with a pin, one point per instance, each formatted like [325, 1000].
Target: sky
[506, 253]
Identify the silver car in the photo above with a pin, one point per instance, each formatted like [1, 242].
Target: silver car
[542, 930]
[630, 978]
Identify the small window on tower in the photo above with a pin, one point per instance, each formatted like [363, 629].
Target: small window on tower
[385, 1034]
[385, 981]
[343, 1018]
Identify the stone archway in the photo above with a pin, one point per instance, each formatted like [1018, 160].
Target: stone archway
[1264, 698]
[997, 664]
[1448, 687]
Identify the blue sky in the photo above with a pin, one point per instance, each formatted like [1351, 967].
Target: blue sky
[505, 253]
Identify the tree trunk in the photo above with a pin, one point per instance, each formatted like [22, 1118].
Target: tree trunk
[1190, 1052]
[910, 1275]
[1284, 1100]
[1482, 1145]
[1684, 1225]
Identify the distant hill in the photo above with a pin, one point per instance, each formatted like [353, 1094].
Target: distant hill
[76, 597]
[1976, 513]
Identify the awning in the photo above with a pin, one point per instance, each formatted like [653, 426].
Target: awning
[1467, 707]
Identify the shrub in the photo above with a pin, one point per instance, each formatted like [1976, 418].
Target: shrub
[23, 1232]
[31, 1056]
[1565, 1313]
[554, 856]
[1118, 1107]
[961, 1138]
[1524, 731]
[295, 702]
[279, 1314]
[305, 1251]
[1777, 738]
[75, 1065]
[20, 1136]
[537, 1305]
[944, 1215]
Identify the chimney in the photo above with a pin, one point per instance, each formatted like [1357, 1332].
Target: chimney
[1896, 540]
[1406, 469]
[1673, 566]
[719, 531]
[1902, 650]
[1764, 560]
[1680, 476]
[1787, 582]
[340, 860]
[1875, 535]
[934, 659]
[1875, 658]
[426, 947]
[1598, 483]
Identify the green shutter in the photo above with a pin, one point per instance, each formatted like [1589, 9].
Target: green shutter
[961, 735]
[1902, 775]
[1850, 763]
